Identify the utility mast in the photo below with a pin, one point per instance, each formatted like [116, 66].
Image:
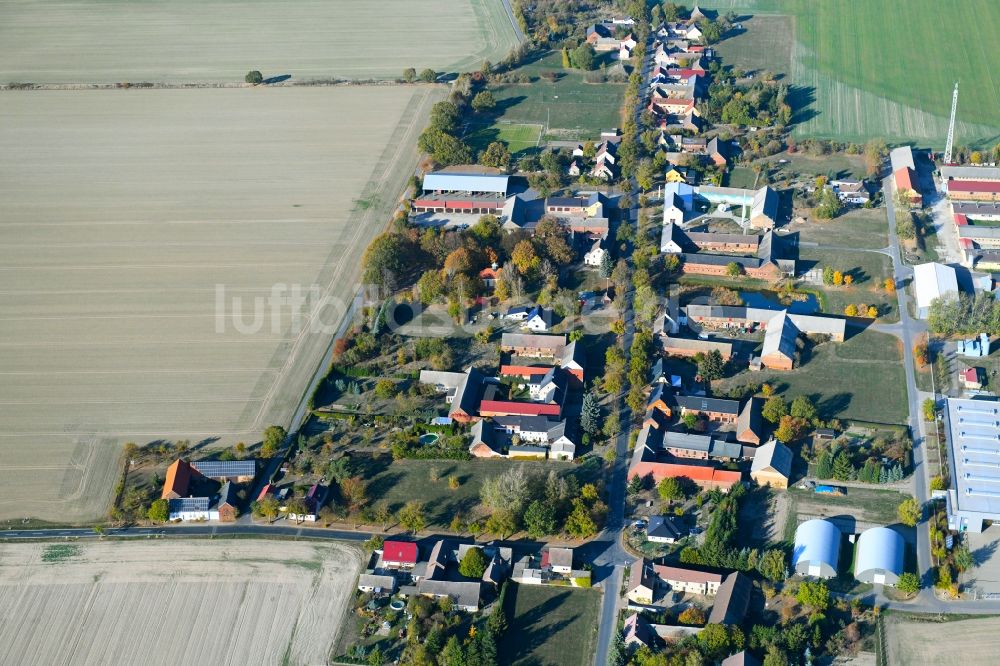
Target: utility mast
[950, 145]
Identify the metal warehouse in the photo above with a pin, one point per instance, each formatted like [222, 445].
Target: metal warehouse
[817, 549]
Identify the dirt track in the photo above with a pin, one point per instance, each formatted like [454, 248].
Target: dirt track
[173, 602]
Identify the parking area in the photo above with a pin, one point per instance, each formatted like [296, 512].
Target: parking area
[984, 577]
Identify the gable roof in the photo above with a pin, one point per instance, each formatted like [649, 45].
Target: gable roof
[483, 433]
[399, 551]
[468, 393]
[901, 158]
[775, 456]
[780, 336]
[187, 504]
[178, 478]
[731, 601]
[227, 495]
[437, 562]
[750, 418]
[664, 527]
[703, 404]
[686, 575]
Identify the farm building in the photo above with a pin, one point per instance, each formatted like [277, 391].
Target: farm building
[817, 549]
[637, 631]
[971, 378]
[717, 410]
[904, 174]
[976, 210]
[731, 600]
[462, 192]
[750, 424]
[960, 173]
[974, 190]
[688, 347]
[642, 583]
[231, 470]
[742, 658]
[880, 556]
[930, 281]
[778, 351]
[772, 465]
[376, 583]
[177, 481]
[974, 443]
[485, 443]
[192, 508]
[227, 506]
[526, 344]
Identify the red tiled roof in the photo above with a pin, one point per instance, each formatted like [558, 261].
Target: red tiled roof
[974, 186]
[686, 575]
[265, 491]
[970, 375]
[961, 220]
[966, 243]
[518, 408]
[178, 479]
[399, 551]
[904, 179]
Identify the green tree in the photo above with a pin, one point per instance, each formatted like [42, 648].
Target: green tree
[473, 565]
[776, 656]
[733, 269]
[590, 414]
[814, 594]
[453, 655]
[774, 408]
[824, 466]
[930, 409]
[582, 57]
[908, 512]
[411, 516]
[409, 75]
[772, 565]
[829, 204]
[580, 524]
[711, 366]
[484, 101]
[274, 437]
[670, 489]
[502, 522]
[428, 75]
[803, 408]
[606, 266]
[540, 519]
[254, 77]
[388, 255]
[496, 155]
[843, 469]
[787, 430]
[159, 511]
[909, 583]
[963, 558]
[267, 508]
[714, 638]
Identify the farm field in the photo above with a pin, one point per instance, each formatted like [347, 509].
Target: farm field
[174, 602]
[569, 107]
[830, 376]
[554, 626]
[918, 643]
[862, 69]
[124, 215]
[199, 41]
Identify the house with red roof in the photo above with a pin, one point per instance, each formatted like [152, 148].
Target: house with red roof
[399, 555]
[178, 480]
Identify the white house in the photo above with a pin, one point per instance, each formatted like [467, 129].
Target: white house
[574, 168]
[539, 319]
[595, 255]
[518, 313]
[191, 508]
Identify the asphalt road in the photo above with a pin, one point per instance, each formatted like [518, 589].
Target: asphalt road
[613, 559]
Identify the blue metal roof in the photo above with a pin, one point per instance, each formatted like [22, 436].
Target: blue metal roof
[880, 549]
[465, 182]
[817, 541]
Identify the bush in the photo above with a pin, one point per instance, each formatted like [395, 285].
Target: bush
[254, 77]
[908, 583]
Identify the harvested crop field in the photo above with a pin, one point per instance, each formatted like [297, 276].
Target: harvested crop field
[174, 602]
[967, 642]
[125, 214]
[209, 41]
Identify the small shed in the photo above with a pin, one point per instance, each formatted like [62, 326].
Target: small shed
[817, 549]
[880, 556]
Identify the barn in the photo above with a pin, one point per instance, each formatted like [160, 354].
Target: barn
[817, 549]
[880, 556]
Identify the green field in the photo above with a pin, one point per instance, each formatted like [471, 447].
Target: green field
[883, 69]
[861, 228]
[569, 107]
[869, 270]
[859, 379]
[518, 137]
[400, 481]
[552, 626]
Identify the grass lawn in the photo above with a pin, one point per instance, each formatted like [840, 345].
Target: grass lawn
[801, 166]
[860, 379]
[568, 107]
[876, 505]
[742, 177]
[552, 626]
[861, 228]
[869, 270]
[400, 481]
[518, 137]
